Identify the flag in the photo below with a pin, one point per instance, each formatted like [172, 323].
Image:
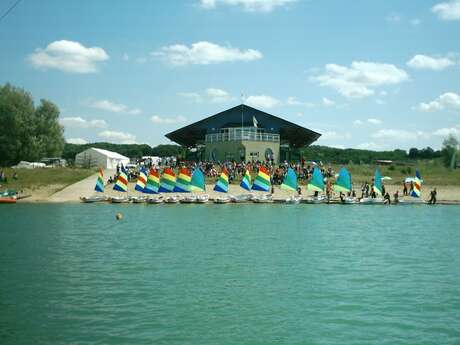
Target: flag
[254, 121]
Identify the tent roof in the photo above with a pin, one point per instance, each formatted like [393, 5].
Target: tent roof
[109, 154]
[295, 135]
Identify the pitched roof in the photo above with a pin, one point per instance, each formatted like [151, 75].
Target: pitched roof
[109, 154]
[295, 135]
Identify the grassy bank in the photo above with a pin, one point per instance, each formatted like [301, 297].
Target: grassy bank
[31, 179]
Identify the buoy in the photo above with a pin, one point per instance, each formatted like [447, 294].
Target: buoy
[119, 216]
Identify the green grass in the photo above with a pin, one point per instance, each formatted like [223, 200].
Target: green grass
[35, 178]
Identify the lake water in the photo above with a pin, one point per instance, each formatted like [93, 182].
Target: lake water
[229, 274]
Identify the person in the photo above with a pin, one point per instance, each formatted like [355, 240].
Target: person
[387, 199]
[299, 191]
[404, 189]
[383, 189]
[273, 189]
[15, 176]
[396, 197]
[342, 198]
[433, 194]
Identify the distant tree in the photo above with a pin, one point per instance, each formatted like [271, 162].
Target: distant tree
[27, 133]
[450, 147]
[167, 150]
[413, 153]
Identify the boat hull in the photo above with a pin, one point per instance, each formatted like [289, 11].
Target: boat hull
[120, 200]
[8, 200]
[372, 201]
[93, 199]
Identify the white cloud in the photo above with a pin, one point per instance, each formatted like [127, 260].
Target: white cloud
[114, 107]
[444, 132]
[327, 102]
[78, 122]
[205, 53]
[420, 61]
[361, 78]
[374, 121]
[447, 10]
[333, 135]
[415, 21]
[78, 141]
[295, 102]
[448, 100]
[398, 135]
[358, 122]
[370, 146]
[218, 95]
[167, 120]
[194, 96]
[121, 137]
[262, 101]
[248, 5]
[68, 56]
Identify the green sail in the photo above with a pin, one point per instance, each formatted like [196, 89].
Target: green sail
[290, 181]
[343, 183]
[377, 182]
[317, 181]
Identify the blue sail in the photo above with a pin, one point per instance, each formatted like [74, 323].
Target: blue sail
[377, 182]
[343, 183]
[317, 181]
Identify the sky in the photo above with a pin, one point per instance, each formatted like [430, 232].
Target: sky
[376, 75]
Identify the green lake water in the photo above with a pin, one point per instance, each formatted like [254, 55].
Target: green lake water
[229, 274]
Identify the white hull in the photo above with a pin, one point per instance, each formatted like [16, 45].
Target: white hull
[242, 198]
[95, 198]
[411, 201]
[315, 199]
[351, 201]
[263, 199]
[202, 199]
[372, 201]
[138, 199]
[152, 200]
[171, 200]
[293, 200]
[189, 199]
[120, 200]
[222, 200]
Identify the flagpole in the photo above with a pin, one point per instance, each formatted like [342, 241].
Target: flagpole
[242, 103]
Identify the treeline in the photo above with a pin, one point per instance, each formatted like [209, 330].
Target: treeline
[27, 132]
[344, 156]
[128, 150]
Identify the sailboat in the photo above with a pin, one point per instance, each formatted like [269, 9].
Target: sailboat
[317, 185]
[121, 185]
[262, 183]
[290, 184]
[415, 195]
[198, 184]
[140, 187]
[246, 185]
[99, 188]
[377, 189]
[343, 185]
[167, 184]
[152, 187]
[222, 187]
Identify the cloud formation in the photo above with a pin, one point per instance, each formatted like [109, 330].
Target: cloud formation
[262, 101]
[448, 100]
[78, 122]
[449, 10]
[110, 106]
[68, 56]
[295, 102]
[205, 53]
[211, 95]
[361, 78]
[120, 137]
[248, 5]
[420, 61]
[78, 141]
[163, 120]
[398, 135]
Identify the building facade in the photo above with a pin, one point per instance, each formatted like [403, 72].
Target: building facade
[243, 133]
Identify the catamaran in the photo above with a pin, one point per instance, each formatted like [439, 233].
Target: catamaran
[317, 185]
[121, 186]
[222, 187]
[343, 185]
[140, 187]
[246, 185]
[99, 188]
[262, 183]
[377, 189]
[416, 193]
[290, 184]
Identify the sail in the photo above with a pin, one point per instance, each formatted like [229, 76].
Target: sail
[246, 182]
[377, 182]
[167, 181]
[153, 182]
[417, 190]
[141, 181]
[262, 180]
[317, 181]
[222, 182]
[290, 181]
[100, 182]
[183, 181]
[343, 183]
[122, 182]
[197, 183]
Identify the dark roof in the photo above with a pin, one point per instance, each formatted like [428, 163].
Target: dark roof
[295, 135]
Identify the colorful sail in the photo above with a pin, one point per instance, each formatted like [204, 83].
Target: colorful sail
[246, 182]
[377, 182]
[141, 181]
[317, 181]
[167, 181]
[153, 182]
[183, 181]
[417, 190]
[122, 182]
[343, 183]
[290, 181]
[198, 183]
[100, 182]
[262, 180]
[222, 182]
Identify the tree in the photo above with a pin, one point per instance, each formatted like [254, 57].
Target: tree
[449, 150]
[27, 133]
[413, 153]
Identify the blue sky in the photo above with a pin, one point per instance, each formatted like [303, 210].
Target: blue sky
[366, 74]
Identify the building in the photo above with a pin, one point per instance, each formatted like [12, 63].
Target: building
[243, 133]
[94, 158]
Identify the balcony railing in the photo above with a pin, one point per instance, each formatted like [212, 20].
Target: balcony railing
[245, 135]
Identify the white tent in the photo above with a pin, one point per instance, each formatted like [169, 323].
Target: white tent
[93, 158]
